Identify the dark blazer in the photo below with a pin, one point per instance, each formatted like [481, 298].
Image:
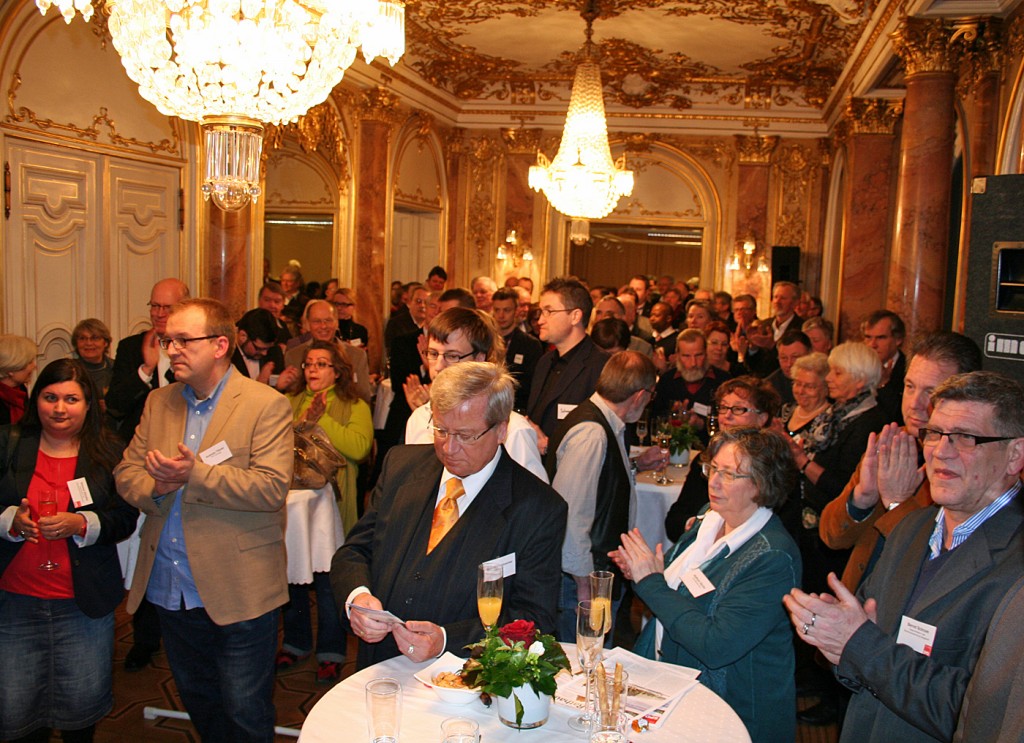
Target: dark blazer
[901, 694]
[127, 393]
[95, 570]
[405, 360]
[386, 550]
[528, 351]
[890, 397]
[572, 387]
[273, 356]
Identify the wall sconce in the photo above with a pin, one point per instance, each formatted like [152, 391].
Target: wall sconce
[744, 256]
[512, 250]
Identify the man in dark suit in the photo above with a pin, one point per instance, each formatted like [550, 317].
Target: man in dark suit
[522, 351]
[883, 332]
[909, 641]
[141, 366]
[436, 514]
[257, 354]
[791, 345]
[567, 375]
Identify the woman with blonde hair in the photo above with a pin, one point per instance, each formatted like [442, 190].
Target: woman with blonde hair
[17, 362]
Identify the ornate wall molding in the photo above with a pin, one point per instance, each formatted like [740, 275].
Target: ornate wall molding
[755, 150]
[522, 141]
[923, 45]
[873, 115]
[319, 130]
[379, 104]
[795, 167]
[982, 44]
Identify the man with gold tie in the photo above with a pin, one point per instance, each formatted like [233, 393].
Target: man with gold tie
[436, 514]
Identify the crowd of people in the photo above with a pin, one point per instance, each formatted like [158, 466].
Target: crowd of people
[848, 532]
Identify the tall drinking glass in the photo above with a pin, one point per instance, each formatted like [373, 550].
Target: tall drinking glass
[383, 709]
[664, 439]
[601, 584]
[641, 430]
[590, 632]
[489, 588]
[48, 507]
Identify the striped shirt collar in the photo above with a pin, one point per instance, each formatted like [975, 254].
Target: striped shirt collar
[964, 530]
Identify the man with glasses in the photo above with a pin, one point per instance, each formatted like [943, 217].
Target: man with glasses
[907, 643]
[257, 354]
[589, 465]
[457, 335]
[567, 375]
[210, 465]
[436, 514]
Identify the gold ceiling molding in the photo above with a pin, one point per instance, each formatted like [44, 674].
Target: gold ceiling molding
[755, 150]
[318, 130]
[522, 141]
[873, 115]
[379, 104]
[923, 45]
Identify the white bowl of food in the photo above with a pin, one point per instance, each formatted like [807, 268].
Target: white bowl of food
[444, 678]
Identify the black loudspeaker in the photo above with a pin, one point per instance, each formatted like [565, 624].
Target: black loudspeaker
[786, 263]
[994, 316]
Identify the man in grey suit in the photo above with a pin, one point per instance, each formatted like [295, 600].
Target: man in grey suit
[436, 514]
[210, 466]
[908, 642]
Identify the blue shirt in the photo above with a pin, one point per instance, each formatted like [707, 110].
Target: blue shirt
[170, 582]
[968, 527]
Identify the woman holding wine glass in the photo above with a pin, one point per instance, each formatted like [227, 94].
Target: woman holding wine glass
[57, 625]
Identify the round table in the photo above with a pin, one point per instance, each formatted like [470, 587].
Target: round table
[700, 717]
[313, 534]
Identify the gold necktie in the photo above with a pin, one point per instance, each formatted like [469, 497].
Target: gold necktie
[446, 513]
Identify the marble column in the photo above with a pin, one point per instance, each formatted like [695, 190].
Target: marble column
[378, 113]
[917, 270]
[520, 199]
[755, 156]
[870, 174]
[225, 260]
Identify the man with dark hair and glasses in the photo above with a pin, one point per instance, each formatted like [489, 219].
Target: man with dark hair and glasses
[907, 643]
[437, 513]
[257, 354]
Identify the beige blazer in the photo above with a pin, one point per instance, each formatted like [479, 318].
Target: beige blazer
[233, 512]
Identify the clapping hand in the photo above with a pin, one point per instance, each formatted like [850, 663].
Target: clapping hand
[828, 622]
[317, 407]
[635, 559]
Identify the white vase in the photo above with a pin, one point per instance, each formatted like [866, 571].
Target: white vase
[535, 708]
[680, 460]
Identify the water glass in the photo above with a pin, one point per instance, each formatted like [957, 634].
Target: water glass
[383, 709]
[460, 730]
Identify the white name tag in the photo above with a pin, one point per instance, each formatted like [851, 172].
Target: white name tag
[697, 583]
[564, 410]
[216, 454]
[701, 409]
[517, 359]
[507, 563]
[357, 342]
[80, 494]
[916, 635]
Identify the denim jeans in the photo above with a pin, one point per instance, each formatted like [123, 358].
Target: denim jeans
[225, 674]
[58, 665]
[298, 630]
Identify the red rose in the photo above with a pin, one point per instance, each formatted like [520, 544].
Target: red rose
[677, 422]
[519, 630]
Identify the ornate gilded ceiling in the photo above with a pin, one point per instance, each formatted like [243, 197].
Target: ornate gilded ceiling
[677, 57]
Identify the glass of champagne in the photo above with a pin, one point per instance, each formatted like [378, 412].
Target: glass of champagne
[48, 507]
[641, 430]
[601, 583]
[664, 439]
[490, 584]
[590, 632]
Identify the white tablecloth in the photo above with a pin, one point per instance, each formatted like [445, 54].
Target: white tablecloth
[653, 502]
[314, 533]
[340, 715]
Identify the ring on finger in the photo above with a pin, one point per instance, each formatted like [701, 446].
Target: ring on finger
[806, 628]
[411, 649]
[814, 618]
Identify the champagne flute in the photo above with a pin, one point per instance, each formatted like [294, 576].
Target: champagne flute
[601, 583]
[664, 442]
[48, 507]
[490, 584]
[590, 631]
[641, 430]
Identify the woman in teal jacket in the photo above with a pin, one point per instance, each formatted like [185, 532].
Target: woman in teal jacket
[717, 595]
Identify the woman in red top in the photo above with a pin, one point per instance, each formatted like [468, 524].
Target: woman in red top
[57, 623]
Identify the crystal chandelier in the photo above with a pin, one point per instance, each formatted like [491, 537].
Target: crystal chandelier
[232, 65]
[583, 182]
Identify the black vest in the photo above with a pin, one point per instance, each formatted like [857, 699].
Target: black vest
[611, 516]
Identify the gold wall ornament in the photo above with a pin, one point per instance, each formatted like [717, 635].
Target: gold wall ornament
[982, 44]
[522, 141]
[319, 130]
[379, 104]
[484, 158]
[755, 150]
[794, 168]
[922, 44]
[873, 115]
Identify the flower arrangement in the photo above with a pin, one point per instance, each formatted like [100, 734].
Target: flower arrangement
[512, 656]
[682, 436]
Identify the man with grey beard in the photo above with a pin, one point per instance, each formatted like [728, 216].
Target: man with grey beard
[690, 386]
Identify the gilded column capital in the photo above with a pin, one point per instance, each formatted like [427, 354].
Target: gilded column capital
[454, 141]
[378, 104]
[522, 141]
[873, 115]
[924, 45]
[983, 46]
[755, 150]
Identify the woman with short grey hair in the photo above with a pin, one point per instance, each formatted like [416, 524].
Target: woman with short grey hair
[17, 362]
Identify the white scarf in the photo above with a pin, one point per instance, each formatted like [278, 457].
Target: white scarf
[706, 547]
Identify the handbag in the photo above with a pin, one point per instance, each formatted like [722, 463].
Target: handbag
[316, 460]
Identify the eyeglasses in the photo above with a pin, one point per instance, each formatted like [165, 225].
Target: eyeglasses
[165, 308]
[91, 338]
[450, 357]
[317, 365]
[707, 469]
[961, 441]
[343, 304]
[461, 438]
[548, 312]
[736, 409]
[258, 350]
[180, 343]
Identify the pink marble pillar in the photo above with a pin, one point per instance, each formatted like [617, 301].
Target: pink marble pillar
[371, 219]
[225, 259]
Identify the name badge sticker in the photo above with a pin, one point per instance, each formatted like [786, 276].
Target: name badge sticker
[517, 359]
[701, 409]
[916, 635]
[357, 342]
[507, 563]
[216, 454]
[697, 583]
[80, 494]
[564, 410]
